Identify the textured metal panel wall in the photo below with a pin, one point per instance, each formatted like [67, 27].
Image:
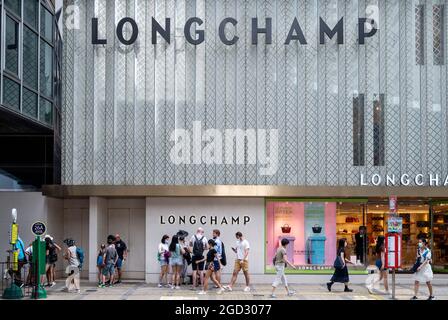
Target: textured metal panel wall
[123, 104]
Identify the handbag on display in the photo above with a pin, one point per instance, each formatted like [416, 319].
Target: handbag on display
[317, 228]
[286, 228]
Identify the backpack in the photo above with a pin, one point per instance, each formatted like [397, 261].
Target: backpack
[223, 255]
[198, 247]
[80, 256]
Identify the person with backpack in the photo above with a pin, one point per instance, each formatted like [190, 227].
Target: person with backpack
[22, 261]
[280, 263]
[340, 265]
[213, 264]
[176, 261]
[72, 270]
[51, 259]
[163, 255]
[423, 270]
[221, 253]
[198, 243]
[100, 262]
[110, 258]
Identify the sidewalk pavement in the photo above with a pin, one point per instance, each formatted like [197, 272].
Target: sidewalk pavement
[143, 291]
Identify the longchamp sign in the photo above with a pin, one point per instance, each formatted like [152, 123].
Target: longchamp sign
[197, 36]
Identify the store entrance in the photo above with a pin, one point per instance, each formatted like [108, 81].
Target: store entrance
[440, 235]
[416, 224]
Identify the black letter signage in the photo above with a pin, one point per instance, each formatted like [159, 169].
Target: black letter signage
[200, 33]
[120, 34]
[295, 28]
[325, 30]
[222, 35]
[256, 30]
[362, 31]
[157, 28]
[95, 39]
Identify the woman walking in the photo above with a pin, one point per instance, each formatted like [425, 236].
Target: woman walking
[424, 270]
[176, 262]
[380, 261]
[341, 272]
[212, 266]
[280, 262]
[163, 253]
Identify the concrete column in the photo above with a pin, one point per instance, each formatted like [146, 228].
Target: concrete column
[148, 258]
[97, 230]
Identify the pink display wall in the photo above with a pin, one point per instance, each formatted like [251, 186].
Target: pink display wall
[279, 214]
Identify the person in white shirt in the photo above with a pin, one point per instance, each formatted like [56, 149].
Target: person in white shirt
[198, 243]
[424, 271]
[241, 262]
[163, 258]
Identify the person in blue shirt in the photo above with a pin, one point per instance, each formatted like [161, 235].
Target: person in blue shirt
[218, 248]
[16, 275]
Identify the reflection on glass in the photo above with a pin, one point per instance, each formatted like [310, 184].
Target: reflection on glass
[30, 12]
[46, 111]
[13, 5]
[46, 69]
[29, 105]
[46, 24]
[30, 58]
[11, 93]
[12, 46]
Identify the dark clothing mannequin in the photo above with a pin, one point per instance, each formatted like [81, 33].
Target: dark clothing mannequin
[361, 244]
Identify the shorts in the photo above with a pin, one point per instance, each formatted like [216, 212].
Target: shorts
[109, 269]
[241, 266]
[176, 261]
[216, 265]
[119, 264]
[378, 263]
[197, 266]
[163, 262]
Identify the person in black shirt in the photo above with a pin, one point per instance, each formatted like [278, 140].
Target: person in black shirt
[361, 244]
[213, 265]
[122, 251]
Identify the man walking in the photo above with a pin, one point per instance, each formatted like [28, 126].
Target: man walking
[218, 247]
[122, 251]
[72, 270]
[198, 243]
[241, 262]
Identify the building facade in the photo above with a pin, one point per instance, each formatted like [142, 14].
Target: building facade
[278, 119]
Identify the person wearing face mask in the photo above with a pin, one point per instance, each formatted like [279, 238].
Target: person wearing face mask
[341, 274]
[163, 258]
[423, 270]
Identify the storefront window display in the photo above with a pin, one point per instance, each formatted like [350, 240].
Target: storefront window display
[416, 224]
[440, 235]
[310, 228]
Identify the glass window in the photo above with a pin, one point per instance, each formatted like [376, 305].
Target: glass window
[11, 93]
[419, 34]
[30, 9]
[12, 46]
[46, 68]
[29, 105]
[358, 130]
[30, 58]
[440, 236]
[46, 111]
[46, 24]
[13, 5]
[378, 131]
[310, 228]
[438, 34]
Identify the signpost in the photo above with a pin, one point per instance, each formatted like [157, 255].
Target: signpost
[393, 240]
[39, 263]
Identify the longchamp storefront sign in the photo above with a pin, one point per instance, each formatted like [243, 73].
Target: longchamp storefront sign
[391, 180]
[194, 32]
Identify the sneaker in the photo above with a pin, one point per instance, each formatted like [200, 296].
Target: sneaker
[78, 291]
[348, 290]
[159, 285]
[101, 285]
[220, 291]
[117, 282]
[273, 296]
[291, 293]
[227, 288]
[414, 298]
[52, 284]
[329, 284]
[247, 289]
[172, 287]
[431, 298]
[202, 292]
[65, 289]
[177, 288]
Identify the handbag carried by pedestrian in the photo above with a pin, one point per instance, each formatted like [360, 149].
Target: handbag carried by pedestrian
[338, 263]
